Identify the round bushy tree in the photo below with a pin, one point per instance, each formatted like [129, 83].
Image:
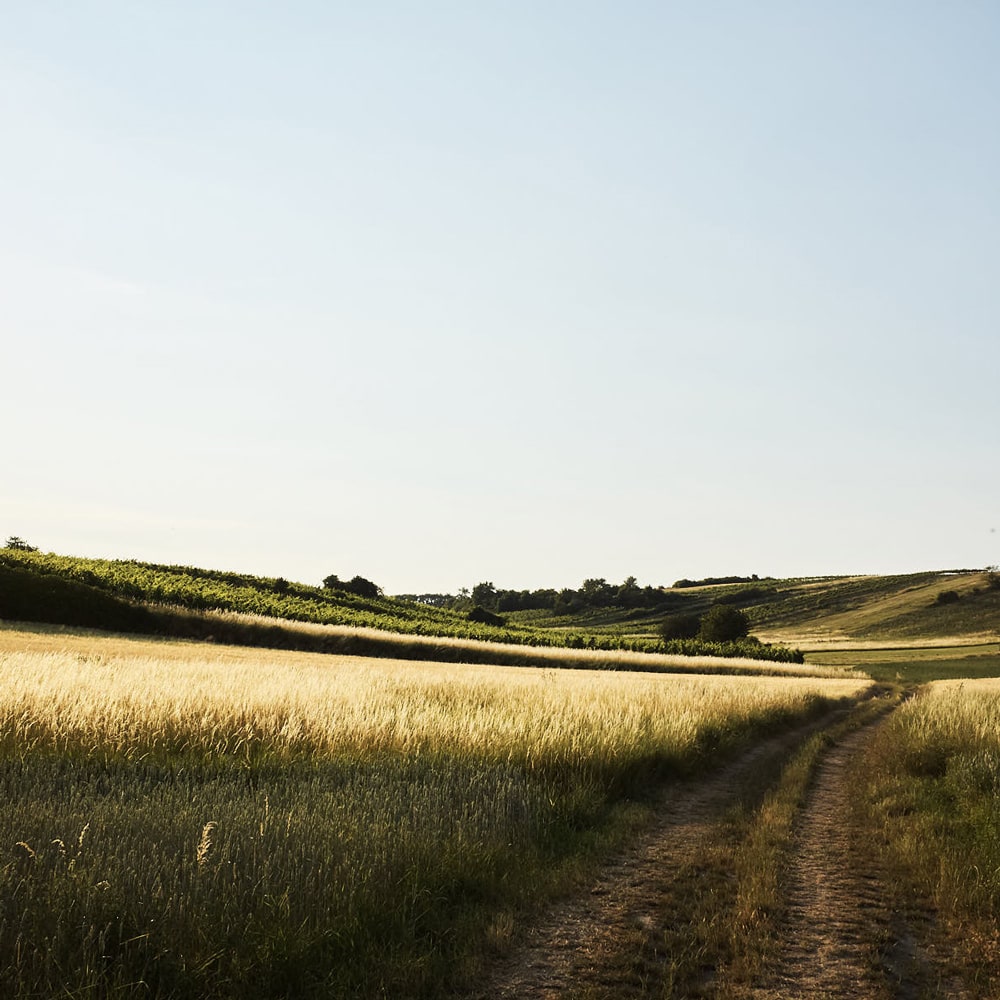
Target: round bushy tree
[362, 587]
[724, 623]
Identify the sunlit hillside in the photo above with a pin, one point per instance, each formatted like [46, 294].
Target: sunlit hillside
[940, 606]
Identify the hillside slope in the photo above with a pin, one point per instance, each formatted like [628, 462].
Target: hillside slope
[903, 608]
[186, 601]
[944, 606]
[923, 606]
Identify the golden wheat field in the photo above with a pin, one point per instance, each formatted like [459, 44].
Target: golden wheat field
[222, 821]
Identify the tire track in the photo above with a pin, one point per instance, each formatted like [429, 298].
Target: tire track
[842, 939]
[836, 908]
[577, 948]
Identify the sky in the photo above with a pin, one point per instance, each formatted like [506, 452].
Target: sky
[440, 292]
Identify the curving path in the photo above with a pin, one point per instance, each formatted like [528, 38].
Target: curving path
[577, 949]
[840, 939]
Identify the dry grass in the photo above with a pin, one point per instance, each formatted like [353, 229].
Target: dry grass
[24, 636]
[241, 822]
[930, 786]
[122, 695]
[846, 644]
[906, 614]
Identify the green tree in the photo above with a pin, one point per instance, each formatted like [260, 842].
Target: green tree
[679, 627]
[362, 587]
[724, 623]
[568, 602]
[629, 594]
[597, 592]
[484, 595]
[14, 542]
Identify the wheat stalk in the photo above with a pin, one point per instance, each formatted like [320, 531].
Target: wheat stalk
[205, 844]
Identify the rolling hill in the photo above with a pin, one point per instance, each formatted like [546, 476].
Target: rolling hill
[952, 607]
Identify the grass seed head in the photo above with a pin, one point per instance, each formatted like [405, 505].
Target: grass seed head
[205, 844]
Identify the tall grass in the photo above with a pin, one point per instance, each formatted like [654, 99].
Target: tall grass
[225, 822]
[232, 628]
[932, 783]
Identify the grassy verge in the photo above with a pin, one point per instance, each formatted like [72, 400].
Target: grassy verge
[221, 822]
[916, 666]
[930, 796]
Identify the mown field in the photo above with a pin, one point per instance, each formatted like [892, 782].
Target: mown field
[915, 665]
[189, 820]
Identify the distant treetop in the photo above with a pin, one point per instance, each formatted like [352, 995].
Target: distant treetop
[709, 580]
[357, 585]
[14, 542]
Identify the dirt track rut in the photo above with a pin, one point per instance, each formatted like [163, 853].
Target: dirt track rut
[576, 949]
[835, 904]
[840, 938]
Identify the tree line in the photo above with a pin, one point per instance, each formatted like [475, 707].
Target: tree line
[595, 592]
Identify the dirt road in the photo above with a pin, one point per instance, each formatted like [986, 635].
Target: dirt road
[609, 942]
[654, 908]
[842, 937]
[837, 910]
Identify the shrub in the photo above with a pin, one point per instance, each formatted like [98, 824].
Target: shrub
[724, 624]
[357, 585]
[679, 627]
[947, 597]
[362, 587]
[483, 617]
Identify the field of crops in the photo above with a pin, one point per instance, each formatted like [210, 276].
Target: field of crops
[220, 821]
[931, 790]
[132, 596]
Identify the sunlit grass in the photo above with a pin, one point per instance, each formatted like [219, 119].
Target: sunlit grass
[917, 666]
[231, 822]
[866, 653]
[37, 636]
[931, 781]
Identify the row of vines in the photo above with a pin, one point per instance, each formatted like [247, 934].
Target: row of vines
[208, 590]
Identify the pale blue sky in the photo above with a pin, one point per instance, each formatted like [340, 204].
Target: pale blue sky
[442, 292]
